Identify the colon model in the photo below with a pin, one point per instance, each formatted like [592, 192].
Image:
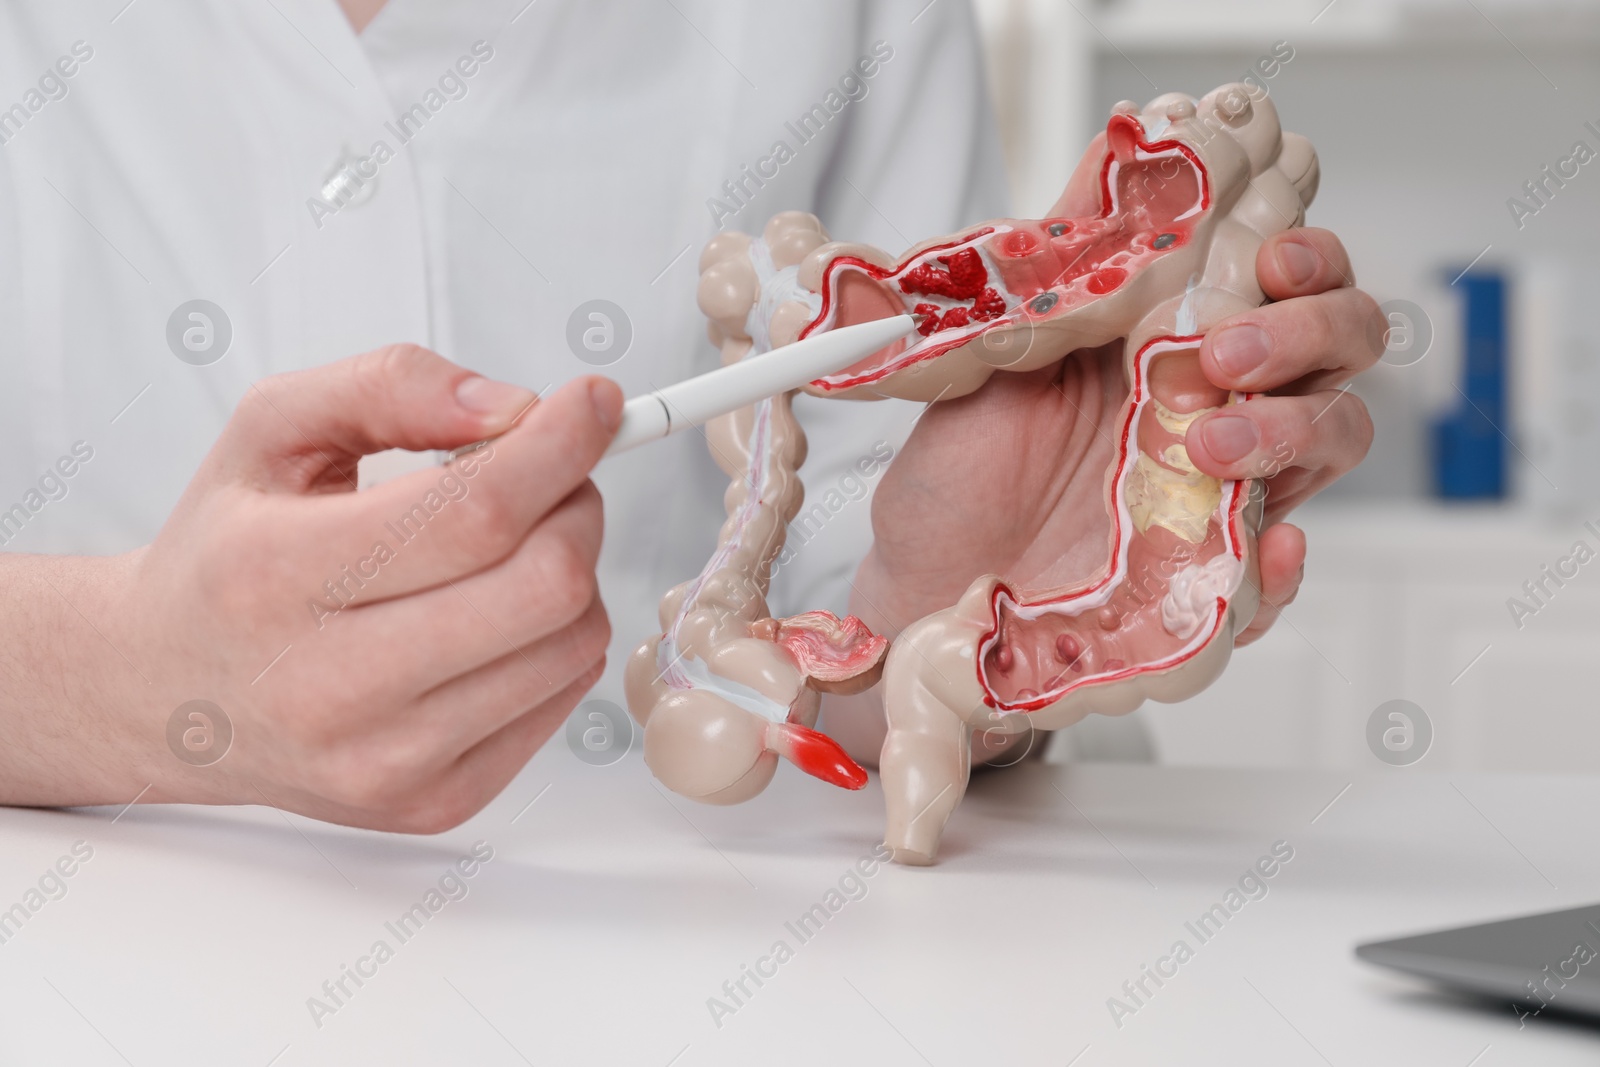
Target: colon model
[1188, 191]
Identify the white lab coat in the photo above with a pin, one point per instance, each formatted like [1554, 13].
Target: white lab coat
[575, 163]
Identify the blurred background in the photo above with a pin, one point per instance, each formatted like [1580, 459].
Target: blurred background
[1458, 141]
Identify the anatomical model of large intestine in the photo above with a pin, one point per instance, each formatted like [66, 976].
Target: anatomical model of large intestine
[1188, 191]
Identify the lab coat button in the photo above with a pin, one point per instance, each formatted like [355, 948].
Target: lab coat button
[351, 181]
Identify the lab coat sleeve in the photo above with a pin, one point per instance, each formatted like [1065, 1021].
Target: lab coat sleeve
[921, 157]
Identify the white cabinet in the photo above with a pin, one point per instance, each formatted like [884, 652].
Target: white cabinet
[1409, 601]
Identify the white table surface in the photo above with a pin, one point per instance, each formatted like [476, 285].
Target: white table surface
[611, 912]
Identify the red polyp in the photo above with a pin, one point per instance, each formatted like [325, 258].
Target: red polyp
[1104, 281]
[821, 757]
[1068, 648]
[956, 318]
[964, 277]
[1019, 243]
[989, 305]
[967, 271]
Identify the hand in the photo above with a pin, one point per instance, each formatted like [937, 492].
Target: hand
[389, 658]
[1306, 432]
[998, 481]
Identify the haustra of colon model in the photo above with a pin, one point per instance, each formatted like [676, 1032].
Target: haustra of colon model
[1187, 192]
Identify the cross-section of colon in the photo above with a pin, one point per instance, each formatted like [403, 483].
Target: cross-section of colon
[985, 293]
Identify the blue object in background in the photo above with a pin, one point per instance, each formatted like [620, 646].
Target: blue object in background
[1469, 449]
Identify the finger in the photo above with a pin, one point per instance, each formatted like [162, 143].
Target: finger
[1281, 550]
[1327, 433]
[545, 585]
[1289, 490]
[458, 714]
[304, 431]
[398, 801]
[1299, 345]
[1303, 262]
[439, 525]
[484, 770]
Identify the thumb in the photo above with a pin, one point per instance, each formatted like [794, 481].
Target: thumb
[305, 431]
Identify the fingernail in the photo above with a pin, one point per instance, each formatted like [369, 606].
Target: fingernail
[1298, 263]
[499, 401]
[607, 398]
[1239, 350]
[1230, 438]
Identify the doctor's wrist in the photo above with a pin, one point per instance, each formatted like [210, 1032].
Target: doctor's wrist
[888, 600]
[74, 709]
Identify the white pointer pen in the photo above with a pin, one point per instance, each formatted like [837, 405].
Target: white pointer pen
[699, 400]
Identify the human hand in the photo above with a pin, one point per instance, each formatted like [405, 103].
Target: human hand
[1010, 479]
[389, 658]
[1304, 431]
[998, 481]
